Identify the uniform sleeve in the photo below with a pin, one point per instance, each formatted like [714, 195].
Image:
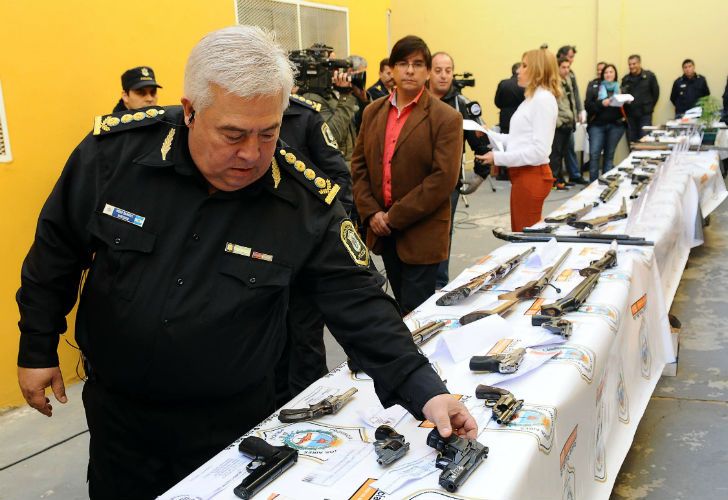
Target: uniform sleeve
[365, 320]
[328, 158]
[543, 123]
[366, 204]
[340, 117]
[61, 249]
[436, 187]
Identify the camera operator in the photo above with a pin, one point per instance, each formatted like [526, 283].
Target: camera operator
[443, 86]
[338, 105]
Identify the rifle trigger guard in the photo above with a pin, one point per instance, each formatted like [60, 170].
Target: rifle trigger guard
[558, 290]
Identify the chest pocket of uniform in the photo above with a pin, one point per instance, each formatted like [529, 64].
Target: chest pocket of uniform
[246, 285]
[122, 256]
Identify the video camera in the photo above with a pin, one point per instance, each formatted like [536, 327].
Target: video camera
[315, 69]
[461, 81]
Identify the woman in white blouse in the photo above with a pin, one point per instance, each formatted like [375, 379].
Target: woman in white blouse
[528, 145]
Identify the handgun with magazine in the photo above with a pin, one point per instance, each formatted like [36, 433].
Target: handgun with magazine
[268, 463]
[507, 362]
[493, 276]
[613, 183]
[327, 406]
[457, 457]
[503, 403]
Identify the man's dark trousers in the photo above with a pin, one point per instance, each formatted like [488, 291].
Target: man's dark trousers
[140, 448]
[412, 284]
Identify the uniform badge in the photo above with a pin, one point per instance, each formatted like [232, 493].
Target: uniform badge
[309, 174]
[138, 116]
[167, 144]
[145, 72]
[353, 243]
[329, 136]
[299, 165]
[126, 118]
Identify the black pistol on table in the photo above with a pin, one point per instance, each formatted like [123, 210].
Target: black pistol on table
[528, 291]
[503, 403]
[493, 276]
[457, 457]
[389, 446]
[327, 406]
[268, 463]
[507, 362]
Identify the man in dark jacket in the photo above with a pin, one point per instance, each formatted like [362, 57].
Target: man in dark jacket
[385, 84]
[688, 88]
[642, 84]
[441, 86]
[138, 89]
[508, 96]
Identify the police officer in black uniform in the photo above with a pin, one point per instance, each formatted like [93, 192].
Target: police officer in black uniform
[304, 358]
[642, 85]
[384, 85]
[192, 223]
[138, 89]
[688, 88]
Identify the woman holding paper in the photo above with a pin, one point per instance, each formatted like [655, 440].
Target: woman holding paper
[605, 119]
[527, 147]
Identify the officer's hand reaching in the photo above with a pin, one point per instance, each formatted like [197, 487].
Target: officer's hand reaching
[33, 382]
[471, 184]
[449, 415]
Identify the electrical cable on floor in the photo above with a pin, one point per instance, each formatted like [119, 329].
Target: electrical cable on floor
[42, 451]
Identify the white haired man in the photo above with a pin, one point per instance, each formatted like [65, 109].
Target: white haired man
[192, 223]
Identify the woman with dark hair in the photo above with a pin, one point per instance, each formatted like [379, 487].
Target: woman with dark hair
[528, 144]
[606, 123]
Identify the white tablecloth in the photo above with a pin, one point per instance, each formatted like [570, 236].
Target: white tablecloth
[582, 407]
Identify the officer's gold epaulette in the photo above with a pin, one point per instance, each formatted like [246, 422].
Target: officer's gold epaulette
[306, 103]
[311, 177]
[127, 119]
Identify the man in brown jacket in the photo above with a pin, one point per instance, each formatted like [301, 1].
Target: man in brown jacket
[405, 165]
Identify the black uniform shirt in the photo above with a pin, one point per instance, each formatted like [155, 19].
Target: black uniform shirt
[187, 291]
[686, 92]
[644, 89]
[304, 129]
[377, 90]
[508, 96]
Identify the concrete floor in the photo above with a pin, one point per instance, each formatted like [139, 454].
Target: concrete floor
[679, 450]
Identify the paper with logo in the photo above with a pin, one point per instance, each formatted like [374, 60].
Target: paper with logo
[544, 255]
[347, 458]
[402, 473]
[313, 440]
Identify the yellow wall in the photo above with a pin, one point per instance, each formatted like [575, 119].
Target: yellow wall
[60, 66]
[487, 36]
[61, 63]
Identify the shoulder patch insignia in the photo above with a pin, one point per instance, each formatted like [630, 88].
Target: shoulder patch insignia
[329, 136]
[125, 120]
[311, 177]
[354, 245]
[306, 103]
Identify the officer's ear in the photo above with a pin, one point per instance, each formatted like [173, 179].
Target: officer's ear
[189, 111]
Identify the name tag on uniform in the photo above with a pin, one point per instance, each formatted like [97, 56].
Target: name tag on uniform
[126, 216]
[683, 85]
[247, 252]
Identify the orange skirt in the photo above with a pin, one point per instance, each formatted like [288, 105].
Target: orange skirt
[530, 185]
